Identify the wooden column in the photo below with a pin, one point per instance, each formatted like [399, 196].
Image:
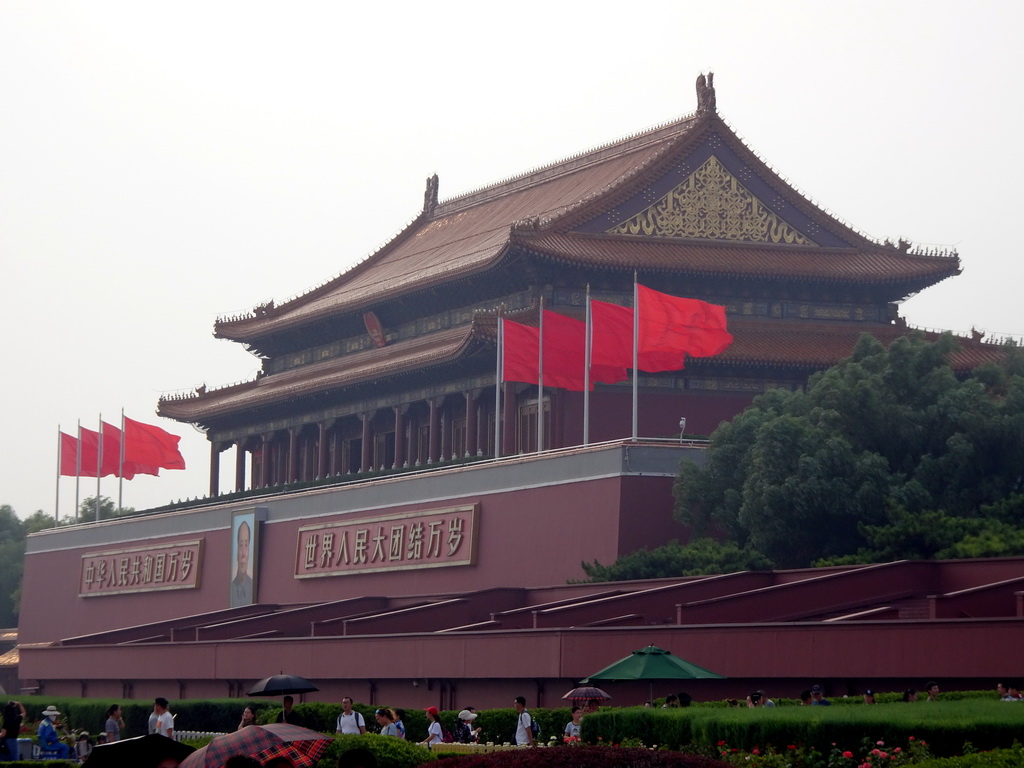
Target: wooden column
[265, 466]
[399, 436]
[509, 411]
[214, 469]
[240, 465]
[292, 472]
[367, 452]
[435, 431]
[471, 428]
[323, 451]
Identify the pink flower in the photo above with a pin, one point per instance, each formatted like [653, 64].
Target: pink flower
[791, 746]
[911, 738]
[874, 752]
[847, 753]
[756, 751]
[880, 743]
[898, 750]
[721, 743]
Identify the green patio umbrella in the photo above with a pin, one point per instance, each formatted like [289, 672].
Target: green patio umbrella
[652, 663]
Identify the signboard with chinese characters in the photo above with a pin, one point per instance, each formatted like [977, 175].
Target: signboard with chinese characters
[141, 569]
[433, 538]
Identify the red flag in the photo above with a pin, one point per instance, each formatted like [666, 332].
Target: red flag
[89, 446]
[672, 323]
[612, 341]
[564, 354]
[151, 446]
[670, 329]
[112, 446]
[69, 455]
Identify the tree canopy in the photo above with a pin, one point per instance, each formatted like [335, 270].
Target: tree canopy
[886, 455]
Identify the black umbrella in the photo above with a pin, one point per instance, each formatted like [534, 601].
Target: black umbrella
[141, 752]
[282, 685]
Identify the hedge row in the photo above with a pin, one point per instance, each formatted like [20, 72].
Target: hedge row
[945, 726]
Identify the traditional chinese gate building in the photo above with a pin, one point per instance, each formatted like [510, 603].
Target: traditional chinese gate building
[384, 499]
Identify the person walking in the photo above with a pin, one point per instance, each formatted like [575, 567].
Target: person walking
[13, 715]
[114, 723]
[524, 724]
[349, 721]
[164, 724]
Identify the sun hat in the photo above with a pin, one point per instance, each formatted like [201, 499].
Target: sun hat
[50, 711]
[467, 715]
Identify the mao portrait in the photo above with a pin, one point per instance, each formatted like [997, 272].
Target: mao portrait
[243, 555]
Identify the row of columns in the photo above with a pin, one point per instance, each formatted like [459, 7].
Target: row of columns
[439, 441]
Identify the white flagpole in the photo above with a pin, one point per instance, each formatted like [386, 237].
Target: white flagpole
[99, 467]
[78, 467]
[56, 500]
[120, 467]
[587, 342]
[498, 374]
[540, 380]
[636, 345]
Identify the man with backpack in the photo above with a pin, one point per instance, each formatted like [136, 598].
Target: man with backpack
[526, 728]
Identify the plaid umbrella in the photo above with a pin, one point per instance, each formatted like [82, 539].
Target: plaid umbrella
[261, 741]
[587, 693]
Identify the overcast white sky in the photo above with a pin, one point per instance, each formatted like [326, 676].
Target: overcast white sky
[165, 163]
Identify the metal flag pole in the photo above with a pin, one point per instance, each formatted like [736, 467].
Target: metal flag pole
[587, 341]
[78, 467]
[99, 467]
[498, 374]
[56, 500]
[636, 344]
[540, 379]
[120, 467]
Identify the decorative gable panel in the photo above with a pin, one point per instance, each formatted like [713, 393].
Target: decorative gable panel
[711, 203]
[713, 194]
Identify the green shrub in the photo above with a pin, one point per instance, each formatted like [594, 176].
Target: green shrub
[389, 751]
[997, 758]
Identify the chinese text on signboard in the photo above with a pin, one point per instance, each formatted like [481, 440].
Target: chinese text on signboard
[142, 569]
[428, 539]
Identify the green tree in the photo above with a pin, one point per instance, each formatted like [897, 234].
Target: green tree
[12, 558]
[887, 454]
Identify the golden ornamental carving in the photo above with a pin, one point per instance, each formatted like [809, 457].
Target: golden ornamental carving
[711, 203]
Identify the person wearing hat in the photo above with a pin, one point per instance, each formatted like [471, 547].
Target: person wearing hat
[83, 747]
[818, 697]
[434, 732]
[49, 740]
[466, 733]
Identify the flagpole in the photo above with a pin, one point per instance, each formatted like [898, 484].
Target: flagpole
[540, 380]
[636, 346]
[56, 500]
[498, 373]
[99, 467]
[78, 467]
[120, 467]
[587, 342]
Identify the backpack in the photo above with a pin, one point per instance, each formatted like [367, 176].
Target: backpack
[534, 727]
[446, 736]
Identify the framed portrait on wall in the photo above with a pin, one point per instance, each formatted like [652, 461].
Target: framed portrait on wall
[244, 556]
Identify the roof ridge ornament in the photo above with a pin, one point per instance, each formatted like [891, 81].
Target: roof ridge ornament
[706, 93]
[430, 195]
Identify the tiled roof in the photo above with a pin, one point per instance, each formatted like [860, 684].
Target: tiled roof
[813, 345]
[370, 364]
[883, 266]
[463, 235]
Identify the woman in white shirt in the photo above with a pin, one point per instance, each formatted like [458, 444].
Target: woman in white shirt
[434, 735]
